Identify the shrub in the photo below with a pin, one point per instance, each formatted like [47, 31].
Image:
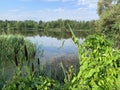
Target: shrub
[12, 54]
[30, 82]
[109, 22]
[99, 69]
[11, 45]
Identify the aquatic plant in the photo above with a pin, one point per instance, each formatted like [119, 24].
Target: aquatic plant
[12, 54]
[99, 69]
[30, 82]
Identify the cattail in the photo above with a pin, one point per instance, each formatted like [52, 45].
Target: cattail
[16, 61]
[71, 73]
[34, 54]
[118, 44]
[26, 52]
[38, 61]
[32, 67]
[70, 34]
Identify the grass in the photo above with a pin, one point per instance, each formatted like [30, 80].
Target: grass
[99, 68]
[12, 54]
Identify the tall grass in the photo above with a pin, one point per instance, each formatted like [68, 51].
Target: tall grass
[99, 69]
[99, 65]
[12, 54]
[11, 45]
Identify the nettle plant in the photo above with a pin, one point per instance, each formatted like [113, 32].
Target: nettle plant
[99, 69]
[99, 65]
[30, 82]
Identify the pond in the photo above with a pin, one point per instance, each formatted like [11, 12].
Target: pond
[54, 48]
[51, 50]
[54, 51]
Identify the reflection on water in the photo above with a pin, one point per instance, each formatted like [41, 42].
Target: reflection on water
[56, 51]
[58, 34]
[53, 48]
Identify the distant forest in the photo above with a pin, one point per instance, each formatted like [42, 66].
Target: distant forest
[30, 25]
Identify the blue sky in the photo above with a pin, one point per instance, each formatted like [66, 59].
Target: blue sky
[48, 10]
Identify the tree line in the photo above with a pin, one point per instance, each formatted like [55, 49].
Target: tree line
[109, 22]
[31, 25]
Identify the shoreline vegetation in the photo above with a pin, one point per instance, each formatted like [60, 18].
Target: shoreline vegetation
[57, 29]
[12, 52]
[99, 54]
[95, 50]
[33, 27]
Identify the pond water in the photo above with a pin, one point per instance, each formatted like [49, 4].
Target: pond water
[53, 48]
[54, 51]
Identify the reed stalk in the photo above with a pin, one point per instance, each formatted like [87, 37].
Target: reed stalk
[26, 52]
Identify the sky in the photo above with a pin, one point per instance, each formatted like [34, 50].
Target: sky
[48, 10]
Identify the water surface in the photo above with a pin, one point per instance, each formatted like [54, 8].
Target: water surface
[54, 48]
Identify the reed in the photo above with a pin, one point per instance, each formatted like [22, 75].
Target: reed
[15, 44]
[16, 50]
[15, 58]
[34, 52]
[38, 61]
[26, 52]
[33, 68]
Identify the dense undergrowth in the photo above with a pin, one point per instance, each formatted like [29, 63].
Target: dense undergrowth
[99, 66]
[11, 45]
[13, 54]
[99, 59]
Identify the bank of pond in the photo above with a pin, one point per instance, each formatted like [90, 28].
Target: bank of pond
[93, 64]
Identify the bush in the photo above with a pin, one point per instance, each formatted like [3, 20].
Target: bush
[12, 54]
[109, 22]
[99, 69]
[30, 82]
[12, 47]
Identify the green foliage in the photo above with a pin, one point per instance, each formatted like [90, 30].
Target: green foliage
[99, 70]
[104, 5]
[33, 27]
[98, 67]
[11, 45]
[68, 74]
[30, 82]
[109, 22]
[12, 54]
[27, 76]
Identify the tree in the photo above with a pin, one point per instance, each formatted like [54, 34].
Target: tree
[109, 22]
[103, 5]
[41, 25]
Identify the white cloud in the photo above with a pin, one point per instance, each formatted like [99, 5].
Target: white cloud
[50, 14]
[92, 5]
[89, 3]
[13, 10]
[83, 10]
